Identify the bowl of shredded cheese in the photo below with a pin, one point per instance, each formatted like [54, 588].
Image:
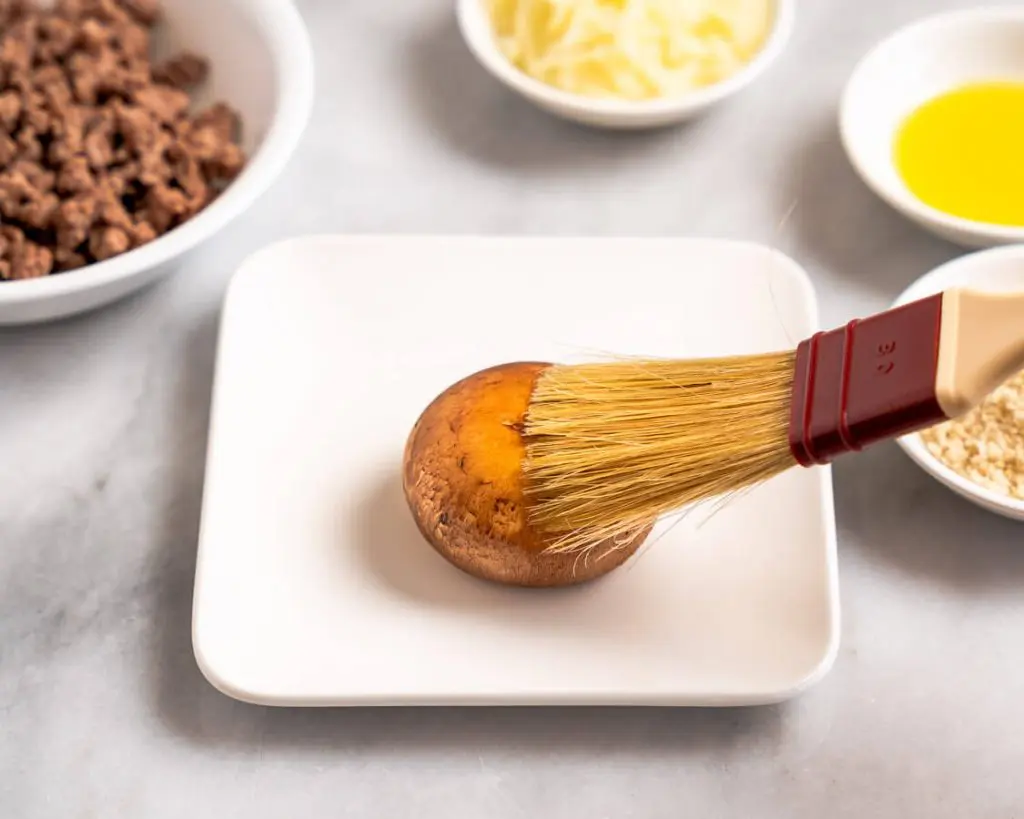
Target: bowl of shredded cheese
[980, 455]
[626, 63]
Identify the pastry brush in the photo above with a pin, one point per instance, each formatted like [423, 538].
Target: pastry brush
[613, 445]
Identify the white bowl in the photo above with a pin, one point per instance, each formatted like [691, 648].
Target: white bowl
[997, 269]
[916, 63]
[262, 65]
[476, 28]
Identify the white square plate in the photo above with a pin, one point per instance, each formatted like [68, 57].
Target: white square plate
[313, 586]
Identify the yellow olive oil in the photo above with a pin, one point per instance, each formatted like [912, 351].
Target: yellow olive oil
[962, 152]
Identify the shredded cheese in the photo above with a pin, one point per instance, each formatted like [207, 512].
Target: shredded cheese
[631, 49]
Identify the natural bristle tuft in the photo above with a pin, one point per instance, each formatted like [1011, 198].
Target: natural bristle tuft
[613, 446]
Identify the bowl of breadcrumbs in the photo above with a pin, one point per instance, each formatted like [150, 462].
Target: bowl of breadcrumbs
[980, 455]
[130, 132]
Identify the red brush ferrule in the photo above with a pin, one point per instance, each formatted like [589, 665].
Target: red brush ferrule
[869, 381]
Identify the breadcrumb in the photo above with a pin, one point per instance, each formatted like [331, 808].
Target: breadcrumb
[986, 445]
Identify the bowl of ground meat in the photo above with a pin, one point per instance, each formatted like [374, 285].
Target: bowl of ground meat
[130, 132]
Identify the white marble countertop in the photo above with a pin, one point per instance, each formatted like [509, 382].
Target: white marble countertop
[103, 712]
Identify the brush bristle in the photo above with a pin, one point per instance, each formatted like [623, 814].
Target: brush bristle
[613, 446]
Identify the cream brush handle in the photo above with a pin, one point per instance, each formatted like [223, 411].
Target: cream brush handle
[981, 346]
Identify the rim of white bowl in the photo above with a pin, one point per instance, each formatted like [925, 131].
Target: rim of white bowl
[919, 453]
[912, 444]
[292, 52]
[898, 195]
[478, 34]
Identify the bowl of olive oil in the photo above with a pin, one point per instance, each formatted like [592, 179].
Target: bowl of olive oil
[933, 121]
